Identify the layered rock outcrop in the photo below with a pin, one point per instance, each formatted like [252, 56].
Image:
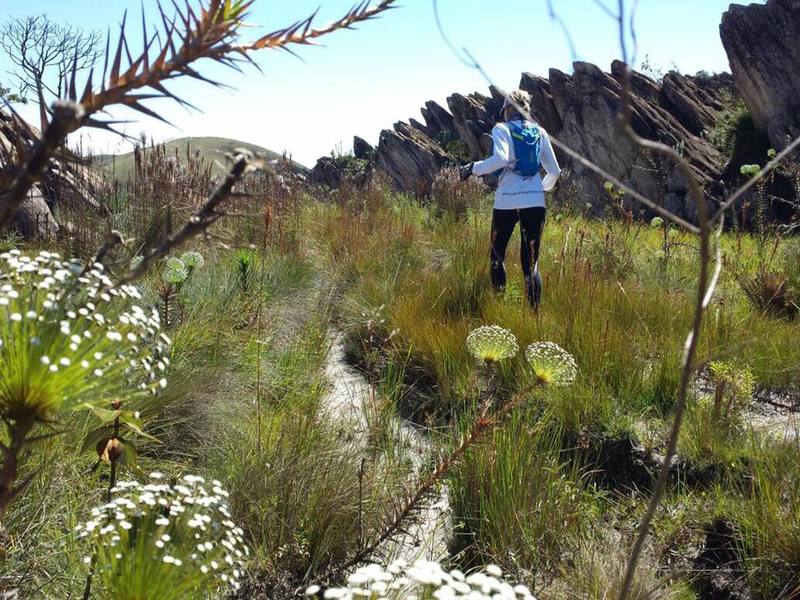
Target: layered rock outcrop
[581, 111]
[761, 41]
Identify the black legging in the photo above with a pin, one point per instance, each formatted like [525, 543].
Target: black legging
[531, 222]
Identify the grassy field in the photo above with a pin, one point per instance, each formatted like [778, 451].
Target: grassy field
[552, 495]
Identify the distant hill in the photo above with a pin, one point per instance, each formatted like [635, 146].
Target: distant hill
[210, 148]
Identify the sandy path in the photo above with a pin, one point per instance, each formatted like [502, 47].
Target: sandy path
[427, 536]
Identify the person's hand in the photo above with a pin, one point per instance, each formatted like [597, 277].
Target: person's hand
[464, 171]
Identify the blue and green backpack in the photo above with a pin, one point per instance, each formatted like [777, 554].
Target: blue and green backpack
[527, 148]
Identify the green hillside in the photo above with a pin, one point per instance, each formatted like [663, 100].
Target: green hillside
[210, 148]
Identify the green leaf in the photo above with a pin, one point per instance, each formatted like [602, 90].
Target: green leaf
[96, 436]
[135, 424]
[105, 415]
[129, 457]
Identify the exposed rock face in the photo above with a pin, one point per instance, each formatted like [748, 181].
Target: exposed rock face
[587, 103]
[410, 157]
[762, 45]
[581, 111]
[34, 219]
[64, 184]
[326, 172]
[473, 117]
[362, 149]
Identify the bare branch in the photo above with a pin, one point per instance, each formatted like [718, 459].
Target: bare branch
[38, 48]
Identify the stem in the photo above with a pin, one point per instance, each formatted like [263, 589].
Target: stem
[87, 590]
[18, 432]
[706, 283]
[258, 371]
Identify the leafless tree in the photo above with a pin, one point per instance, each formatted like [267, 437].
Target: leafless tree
[44, 53]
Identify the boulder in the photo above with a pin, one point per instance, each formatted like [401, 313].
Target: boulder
[34, 219]
[761, 41]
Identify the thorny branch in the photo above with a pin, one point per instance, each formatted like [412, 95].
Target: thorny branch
[212, 32]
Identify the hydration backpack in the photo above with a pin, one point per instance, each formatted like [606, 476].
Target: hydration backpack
[527, 148]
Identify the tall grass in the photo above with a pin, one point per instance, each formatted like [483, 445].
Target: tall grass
[768, 517]
[516, 499]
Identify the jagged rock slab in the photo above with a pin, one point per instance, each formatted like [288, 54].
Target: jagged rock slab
[410, 157]
[761, 41]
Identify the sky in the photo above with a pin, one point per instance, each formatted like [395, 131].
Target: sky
[360, 82]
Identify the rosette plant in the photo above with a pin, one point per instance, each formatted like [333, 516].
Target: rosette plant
[175, 273]
[165, 540]
[69, 339]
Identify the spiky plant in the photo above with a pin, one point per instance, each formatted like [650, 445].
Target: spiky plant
[68, 338]
[166, 540]
[244, 268]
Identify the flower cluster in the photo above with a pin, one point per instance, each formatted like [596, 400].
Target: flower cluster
[424, 580]
[68, 335]
[193, 259]
[750, 170]
[551, 364]
[165, 540]
[175, 271]
[656, 222]
[492, 343]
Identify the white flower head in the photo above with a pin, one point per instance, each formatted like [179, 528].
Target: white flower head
[492, 343]
[193, 259]
[551, 364]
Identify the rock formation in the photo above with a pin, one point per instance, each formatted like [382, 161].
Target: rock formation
[410, 157]
[64, 184]
[762, 45]
[581, 111]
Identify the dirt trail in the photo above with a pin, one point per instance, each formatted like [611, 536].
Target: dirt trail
[346, 402]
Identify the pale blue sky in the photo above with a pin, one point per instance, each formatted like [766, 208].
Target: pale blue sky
[363, 81]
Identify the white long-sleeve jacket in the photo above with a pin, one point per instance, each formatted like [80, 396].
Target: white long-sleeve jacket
[514, 190]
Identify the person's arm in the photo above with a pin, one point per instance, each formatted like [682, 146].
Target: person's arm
[549, 162]
[501, 157]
